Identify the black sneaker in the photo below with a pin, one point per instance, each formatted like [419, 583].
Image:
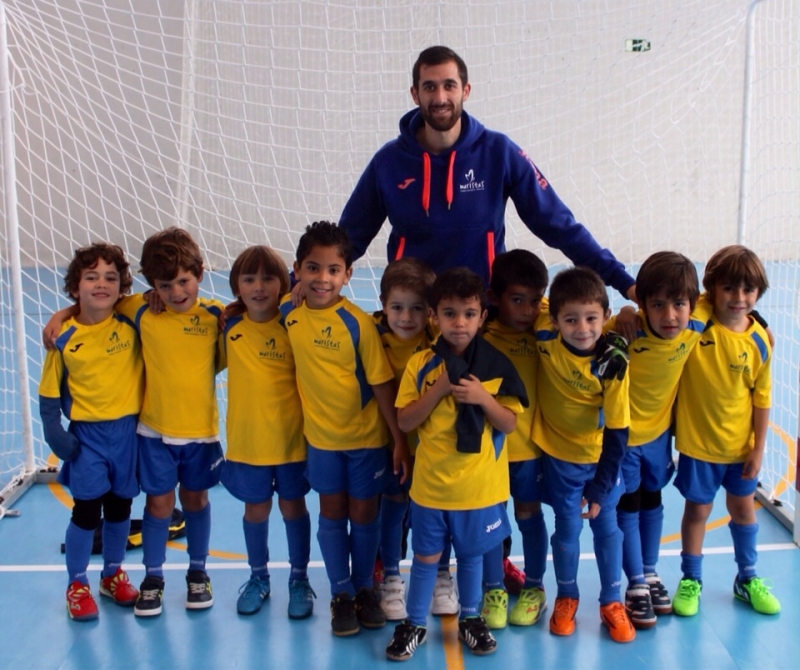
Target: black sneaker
[639, 607]
[407, 637]
[659, 596]
[477, 636]
[343, 615]
[368, 609]
[198, 590]
[151, 592]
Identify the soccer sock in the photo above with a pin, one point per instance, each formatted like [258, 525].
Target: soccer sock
[631, 546]
[256, 536]
[468, 574]
[493, 568]
[651, 526]
[364, 540]
[392, 513]
[692, 566]
[115, 541]
[444, 561]
[78, 549]
[198, 536]
[155, 533]
[534, 549]
[298, 539]
[420, 591]
[607, 538]
[744, 548]
[334, 544]
[565, 542]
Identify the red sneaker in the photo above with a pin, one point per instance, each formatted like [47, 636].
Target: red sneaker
[513, 578]
[119, 588]
[80, 604]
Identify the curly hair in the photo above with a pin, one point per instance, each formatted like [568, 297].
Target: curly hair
[87, 258]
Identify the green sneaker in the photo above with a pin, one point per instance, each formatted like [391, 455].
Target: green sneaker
[529, 607]
[687, 598]
[756, 592]
[495, 608]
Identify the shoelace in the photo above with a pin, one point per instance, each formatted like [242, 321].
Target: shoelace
[760, 586]
[563, 607]
[688, 588]
[197, 587]
[149, 594]
[80, 593]
[616, 615]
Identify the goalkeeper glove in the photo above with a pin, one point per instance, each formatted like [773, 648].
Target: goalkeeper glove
[612, 356]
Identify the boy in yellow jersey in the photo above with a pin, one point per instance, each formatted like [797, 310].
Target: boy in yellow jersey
[721, 422]
[517, 288]
[94, 376]
[404, 330]
[463, 397]
[581, 424]
[266, 450]
[347, 390]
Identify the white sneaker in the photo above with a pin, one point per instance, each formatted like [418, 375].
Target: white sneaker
[445, 595]
[393, 599]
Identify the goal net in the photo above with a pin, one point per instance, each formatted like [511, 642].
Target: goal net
[245, 121]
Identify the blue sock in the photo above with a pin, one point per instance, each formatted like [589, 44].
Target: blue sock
[256, 537]
[298, 539]
[155, 533]
[78, 549]
[334, 543]
[444, 561]
[565, 542]
[744, 548]
[534, 549]
[692, 566]
[364, 540]
[392, 513]
[631, 546]
[198, 536]
[115, 542]
[469, 572]
[651, 526]
[493, 568]
[420, 591]
[607, 539]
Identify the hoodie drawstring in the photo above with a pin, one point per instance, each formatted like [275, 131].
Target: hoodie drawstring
[449, 187]
[426, 181]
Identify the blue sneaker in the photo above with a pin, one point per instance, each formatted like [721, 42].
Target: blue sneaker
[252, 595]
[301, 603]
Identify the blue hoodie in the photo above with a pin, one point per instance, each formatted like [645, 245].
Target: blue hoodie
[449, 209]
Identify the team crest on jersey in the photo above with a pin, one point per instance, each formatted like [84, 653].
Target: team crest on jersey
[472, 184]
[742, 365]
[325, 342]
[195, 328]
[270, 352]
[680, 352]
[117, 346]
[578, 381]
[522, 347]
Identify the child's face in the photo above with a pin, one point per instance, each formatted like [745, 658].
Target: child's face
[179, 294]
[459, 321]
[732, 304]
[668, 317]
[321, 275]
[406, 313]
[98, 290]
[518, 307]
[581, 324]
[260, 292]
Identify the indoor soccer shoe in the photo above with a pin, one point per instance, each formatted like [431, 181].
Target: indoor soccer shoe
[301, 599]
[640, 609]
[445, 595]
[119, 588]
[80, 603]
[368, 609]
[477, 636]
[659, 596]
[757, 593]
[687, 598]
[343, 615]
[198, 590]
[393, 599]
[616, 620]
[562, 622]
[529, 607]
[513, 578]
[252, 595]
[151, 591]
[407, 637]
[495, 608]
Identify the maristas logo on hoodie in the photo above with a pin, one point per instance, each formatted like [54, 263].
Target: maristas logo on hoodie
[472, 183]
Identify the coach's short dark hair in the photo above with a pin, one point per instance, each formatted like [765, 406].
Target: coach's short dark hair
[437, 56]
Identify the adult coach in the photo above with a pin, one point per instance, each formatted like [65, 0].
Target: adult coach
[444, 183]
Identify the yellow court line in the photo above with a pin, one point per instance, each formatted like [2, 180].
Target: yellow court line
[453, 651]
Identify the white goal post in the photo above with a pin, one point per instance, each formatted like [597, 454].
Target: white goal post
[662, 124]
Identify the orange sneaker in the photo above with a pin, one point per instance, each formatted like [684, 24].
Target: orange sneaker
[563, 620]
[616, 619]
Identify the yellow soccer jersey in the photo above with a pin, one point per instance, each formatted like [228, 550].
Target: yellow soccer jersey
[520, 348]
[265, 419]
[445, 478]
[96, 370]
[573, 404]
[726, 376]
[181, 358]
[338, 356]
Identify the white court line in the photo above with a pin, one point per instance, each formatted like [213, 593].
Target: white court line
[240, 565]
